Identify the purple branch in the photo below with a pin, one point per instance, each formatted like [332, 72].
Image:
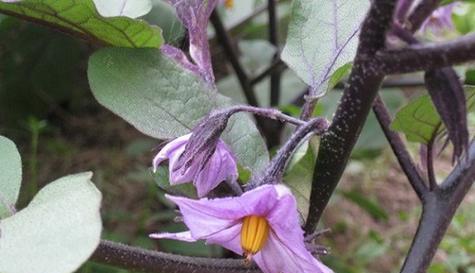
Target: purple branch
[355, 104]
[399, 148]
[439, 207]
[138, 259]
[402, 9]
[274, 40]
[428, 56]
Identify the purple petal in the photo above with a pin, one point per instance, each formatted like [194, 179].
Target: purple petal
[181, 236]
[276, 256]
[220, 167]
[286, 243]
[169, 150]
[229, 238]
[439, 20]
[208, 216]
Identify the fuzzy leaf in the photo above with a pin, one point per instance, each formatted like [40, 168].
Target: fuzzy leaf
[448, 96]
[322, 37]
[80, 18]
[57, 232]
[419, 119]
[164, 101]
[127, 8]
[10, 176]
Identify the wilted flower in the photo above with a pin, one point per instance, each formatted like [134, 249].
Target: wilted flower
[439, 20]
[262, 224]
[205, 166]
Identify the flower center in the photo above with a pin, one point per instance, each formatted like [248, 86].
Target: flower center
[229, 4]
[254, 233]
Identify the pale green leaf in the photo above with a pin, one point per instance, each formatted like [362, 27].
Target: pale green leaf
[300, 172]
[80, 18]
[164, 101]
[419, 120]
[127, 8]
[340, 73]
[57, 232]
[10, 176]
[322, 37]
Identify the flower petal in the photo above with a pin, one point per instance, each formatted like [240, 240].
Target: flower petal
[287, 239]
[277, 257]
[169, 150]
[205, 217]
[181, 236]
[220, 167]
[229, 238]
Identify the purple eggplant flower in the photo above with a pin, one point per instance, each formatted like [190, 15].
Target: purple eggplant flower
[194, 14]
[206, 170]
[440, 20]
[262, 224]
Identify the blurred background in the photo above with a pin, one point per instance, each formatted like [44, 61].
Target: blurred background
[46, 107]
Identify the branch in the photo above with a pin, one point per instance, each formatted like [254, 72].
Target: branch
[274, 40]
[225, 41]
[138, 259]
[270, 113]
[399, 148]
[428, 56]
[354, 107]
[402, 9]
[277, 65]
[274, 171]
[439, 208]
[420, 14]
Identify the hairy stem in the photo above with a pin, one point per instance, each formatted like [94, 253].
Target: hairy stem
[428, 56]
[142, 260]
[273, 173]
[270, 113]
[355, 104]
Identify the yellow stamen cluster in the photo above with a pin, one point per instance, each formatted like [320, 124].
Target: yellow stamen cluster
[229, 4]
[254, 233]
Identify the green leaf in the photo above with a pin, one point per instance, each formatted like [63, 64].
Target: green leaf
[322, 37]
[80, 18]
[340, 73]
[300, 172]
[370, 206]
[419, 120]
[464, 19]
[57, 232]
[162, 180]
[164, 101]
[10, 176]
[127, 8]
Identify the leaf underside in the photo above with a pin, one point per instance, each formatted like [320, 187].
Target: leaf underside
[57, 232]
[80, 18]
[322, 37]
